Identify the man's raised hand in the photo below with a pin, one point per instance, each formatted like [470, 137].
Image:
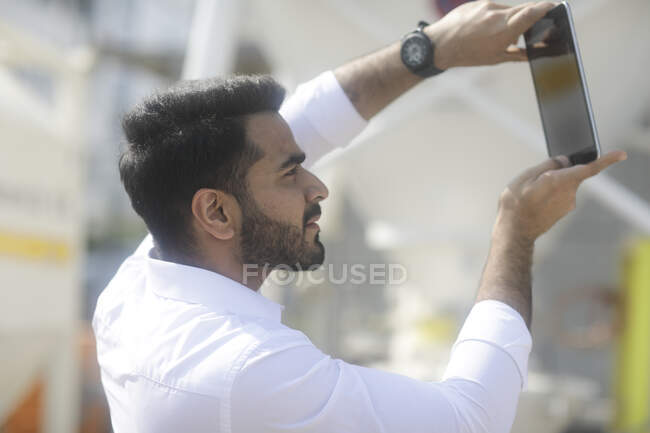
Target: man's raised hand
[543, 194]
[483, 33]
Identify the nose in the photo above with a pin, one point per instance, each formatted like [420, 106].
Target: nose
[316, 189]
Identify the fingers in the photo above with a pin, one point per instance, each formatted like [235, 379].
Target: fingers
[497, 6]
[524, 17]
[514, 54]
[525, 14]
[536, 171]
[511, 9]
[581, 172]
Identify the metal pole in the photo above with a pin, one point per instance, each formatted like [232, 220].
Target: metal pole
[211, 45]
[632, 373]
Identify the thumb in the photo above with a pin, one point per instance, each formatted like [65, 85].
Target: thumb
[581, 172]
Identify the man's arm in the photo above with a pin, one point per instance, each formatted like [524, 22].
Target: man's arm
[528, 207]
[476, 33]
[295, 387]
[333, 108]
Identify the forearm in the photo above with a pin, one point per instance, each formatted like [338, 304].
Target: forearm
[373, 81]
[476, 33]
[507, 273]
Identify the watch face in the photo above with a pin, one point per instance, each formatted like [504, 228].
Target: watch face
[415, 52]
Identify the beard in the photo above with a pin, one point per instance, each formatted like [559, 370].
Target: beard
[269, 242]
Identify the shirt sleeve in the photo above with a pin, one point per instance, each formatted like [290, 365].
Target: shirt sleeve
[295, 387]
[321, 116]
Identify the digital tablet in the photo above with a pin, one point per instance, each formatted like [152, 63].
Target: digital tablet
[561, 88]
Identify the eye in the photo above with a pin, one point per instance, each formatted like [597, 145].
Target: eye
[292, 172]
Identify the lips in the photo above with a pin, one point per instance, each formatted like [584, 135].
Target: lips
[313, 219]
[312, 214]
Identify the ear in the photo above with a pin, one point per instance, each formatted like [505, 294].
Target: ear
[214, 212]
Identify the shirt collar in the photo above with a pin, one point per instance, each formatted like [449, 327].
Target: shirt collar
[215, 291]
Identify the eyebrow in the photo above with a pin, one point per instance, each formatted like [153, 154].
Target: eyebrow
[294, 158]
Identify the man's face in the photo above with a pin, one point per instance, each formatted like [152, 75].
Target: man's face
[281, 206]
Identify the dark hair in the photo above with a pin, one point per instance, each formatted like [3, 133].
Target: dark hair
[188, 137]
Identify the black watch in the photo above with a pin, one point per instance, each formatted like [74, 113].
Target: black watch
[417, 52]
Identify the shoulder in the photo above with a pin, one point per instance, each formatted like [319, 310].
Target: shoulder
[201, 351]
[193, 371]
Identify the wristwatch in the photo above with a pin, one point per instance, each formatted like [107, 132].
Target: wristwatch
[417, 52]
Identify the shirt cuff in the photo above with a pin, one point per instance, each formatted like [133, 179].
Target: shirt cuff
[499, 325]
[319, 112]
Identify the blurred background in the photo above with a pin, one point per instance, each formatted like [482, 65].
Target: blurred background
[418, 188]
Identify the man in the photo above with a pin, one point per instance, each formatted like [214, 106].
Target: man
[185, 340]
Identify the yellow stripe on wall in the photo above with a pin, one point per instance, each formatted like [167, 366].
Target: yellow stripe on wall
[35, 248]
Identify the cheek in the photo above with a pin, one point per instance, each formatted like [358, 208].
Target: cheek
[282, 205]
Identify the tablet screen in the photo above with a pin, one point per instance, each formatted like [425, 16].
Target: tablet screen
[561, 95]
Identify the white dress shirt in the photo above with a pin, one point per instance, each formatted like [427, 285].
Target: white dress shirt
[183, 349]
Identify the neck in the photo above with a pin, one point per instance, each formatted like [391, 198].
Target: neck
[251, 276]
[223, 263]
